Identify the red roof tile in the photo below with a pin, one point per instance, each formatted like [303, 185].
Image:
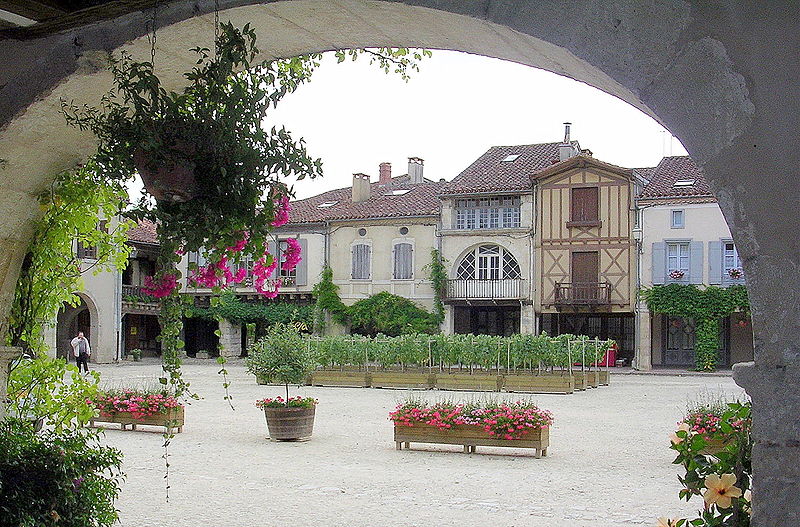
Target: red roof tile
[668, 172]
[489, 173]
[143, 232]
[422, 199]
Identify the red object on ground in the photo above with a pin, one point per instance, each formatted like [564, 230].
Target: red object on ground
[610, 356]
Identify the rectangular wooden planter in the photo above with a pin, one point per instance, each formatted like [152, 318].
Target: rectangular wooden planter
[351, 379]
[479, 382]
[593, 378]
[605, 377]
[175, 417]
[469, 436]
[403, 379]
[581, 380]
[546, 383]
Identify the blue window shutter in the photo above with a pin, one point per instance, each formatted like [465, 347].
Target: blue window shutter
[659, 263]
[696, 263]
[715, 263]
[272, 247]
[301, 274]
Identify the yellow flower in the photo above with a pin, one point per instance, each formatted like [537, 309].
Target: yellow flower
[666, 522]
[721, 490]
[683, 427]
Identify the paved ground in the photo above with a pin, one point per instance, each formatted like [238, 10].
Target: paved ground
[608, 464]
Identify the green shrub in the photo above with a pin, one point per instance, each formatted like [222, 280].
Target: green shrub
[391, 315]
[282, 356]
[63, 479]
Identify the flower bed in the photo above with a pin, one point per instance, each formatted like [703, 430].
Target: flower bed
[138, 407]
[518, 424]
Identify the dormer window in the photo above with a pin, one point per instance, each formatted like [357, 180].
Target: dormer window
[488, 213]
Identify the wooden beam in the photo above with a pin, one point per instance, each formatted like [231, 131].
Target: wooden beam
[37, 10]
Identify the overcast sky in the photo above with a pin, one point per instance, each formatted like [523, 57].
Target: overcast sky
[354, 116]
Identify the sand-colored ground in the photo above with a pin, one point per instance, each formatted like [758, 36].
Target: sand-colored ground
[608, 464]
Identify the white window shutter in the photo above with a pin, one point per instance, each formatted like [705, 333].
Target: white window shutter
[659, 263]
[696, 263]
[715, 263]
[301, 274]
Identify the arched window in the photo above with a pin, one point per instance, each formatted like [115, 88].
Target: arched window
[488, 262]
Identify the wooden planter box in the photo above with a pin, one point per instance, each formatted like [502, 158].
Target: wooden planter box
[479, 382]
[469, 436]
[605, 377]
[352, 379]
[581, 380]
[547, 383]
[175, 416]
[403, 379]
[593, 378]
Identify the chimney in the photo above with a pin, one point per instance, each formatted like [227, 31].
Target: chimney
[360, 188]
[385, 173]
[566, 149]
[415, 165]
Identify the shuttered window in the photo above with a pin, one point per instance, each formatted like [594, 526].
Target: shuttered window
[584, 204]
[361, 261]
[403, 260]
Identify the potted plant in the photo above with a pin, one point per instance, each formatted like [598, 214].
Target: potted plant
[676, 274]
[133, 406]
[283, 357]
[136, 355]
[735, 273]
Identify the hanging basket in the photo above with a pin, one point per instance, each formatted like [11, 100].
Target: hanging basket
[171, 179]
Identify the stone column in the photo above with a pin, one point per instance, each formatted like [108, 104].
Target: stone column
[230, 339]
[644, 352]
[7, 354]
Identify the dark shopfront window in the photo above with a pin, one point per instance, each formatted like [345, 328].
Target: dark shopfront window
[620, 328]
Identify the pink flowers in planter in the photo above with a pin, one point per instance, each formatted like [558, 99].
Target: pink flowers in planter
[139, 404]
[676, 274]
[502, 420]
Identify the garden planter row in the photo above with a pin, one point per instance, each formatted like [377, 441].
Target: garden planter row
[469, 436]
[531, 383]
[173, 419]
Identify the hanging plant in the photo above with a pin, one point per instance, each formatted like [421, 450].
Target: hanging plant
[735, 274]
[676, 274]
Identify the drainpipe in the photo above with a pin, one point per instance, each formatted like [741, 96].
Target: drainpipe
[118, 315]
[532, 257]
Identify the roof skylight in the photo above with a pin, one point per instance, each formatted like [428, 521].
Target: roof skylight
[683, 183]
[510, 158]
[400, 191]
[327, 204]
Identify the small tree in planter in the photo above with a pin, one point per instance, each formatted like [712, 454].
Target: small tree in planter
[282, 357]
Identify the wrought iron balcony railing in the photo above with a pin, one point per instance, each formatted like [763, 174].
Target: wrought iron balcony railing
[583, 294]
[474, 289]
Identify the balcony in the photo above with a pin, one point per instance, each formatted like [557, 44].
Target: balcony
[136, 301]
[583, 294]
[506, 289]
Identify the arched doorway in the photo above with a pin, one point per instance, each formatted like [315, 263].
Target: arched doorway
[71, 320]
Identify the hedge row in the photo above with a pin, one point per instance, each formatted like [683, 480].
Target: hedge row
[448, 351]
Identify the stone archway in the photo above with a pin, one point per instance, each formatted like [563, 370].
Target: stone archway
[72, 319]
[721, 76]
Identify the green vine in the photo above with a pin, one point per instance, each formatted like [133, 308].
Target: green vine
[438, 277]
[326, 294]
[232, 308]
[705, 306]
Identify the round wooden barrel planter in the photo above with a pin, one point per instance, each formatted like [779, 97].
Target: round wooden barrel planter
[290, 424]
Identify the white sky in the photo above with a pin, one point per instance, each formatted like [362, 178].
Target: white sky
[354, 117]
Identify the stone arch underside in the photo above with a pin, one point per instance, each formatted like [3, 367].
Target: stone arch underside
[722, 77]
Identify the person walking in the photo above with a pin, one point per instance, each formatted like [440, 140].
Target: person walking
[81, 351]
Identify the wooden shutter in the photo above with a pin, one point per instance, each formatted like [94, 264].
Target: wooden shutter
[659, 263]
[715, 262]
[274, 249]
[361, 257]
[584, 204]
[585, 267]
[403, 258]
[696, 263]
[301, 271]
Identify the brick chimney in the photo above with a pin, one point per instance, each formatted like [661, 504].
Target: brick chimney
[385, 173]
[415, 166]
[566, 149]
[360, 188]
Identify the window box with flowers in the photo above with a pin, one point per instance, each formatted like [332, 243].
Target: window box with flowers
[138, 407]
[507, 424]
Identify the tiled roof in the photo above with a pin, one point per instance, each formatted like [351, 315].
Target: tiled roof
[644, 173]
[143, 232]
[674, 169]
[489, 173]
[420, 200]
[580, 161]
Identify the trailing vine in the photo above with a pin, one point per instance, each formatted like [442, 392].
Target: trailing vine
[705, 306]
[232, 308]
[326, 293]
[438, 278]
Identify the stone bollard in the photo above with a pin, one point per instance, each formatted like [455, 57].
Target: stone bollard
[7, 354]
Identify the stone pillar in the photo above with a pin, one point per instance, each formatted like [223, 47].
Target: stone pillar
[230, 339]
[527, 319]
[643, 359]
[7, 354]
